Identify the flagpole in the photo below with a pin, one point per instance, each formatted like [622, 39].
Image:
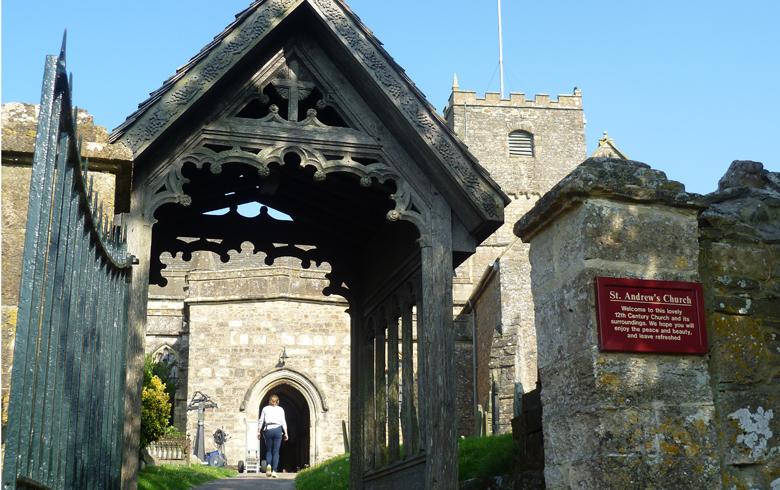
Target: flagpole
[500, 51]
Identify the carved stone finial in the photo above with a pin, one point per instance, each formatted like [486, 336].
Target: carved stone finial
[319, 176]
[393, 215]
[365, 181]
[455, 82]
[311, 113]
[273, 109]
[608, 149]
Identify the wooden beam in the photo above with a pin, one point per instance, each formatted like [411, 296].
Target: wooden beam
[393, 391]
[408, 409]
[356, 381]
[368, 399]
[139, 240]
[380, 388]
[437, 347]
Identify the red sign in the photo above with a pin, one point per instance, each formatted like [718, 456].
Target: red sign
[638, 315]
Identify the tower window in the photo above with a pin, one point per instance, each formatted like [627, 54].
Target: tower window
[521, 143]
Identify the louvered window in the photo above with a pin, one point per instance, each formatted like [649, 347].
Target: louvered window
[521, 143]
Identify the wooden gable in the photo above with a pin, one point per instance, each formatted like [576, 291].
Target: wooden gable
[362, 99]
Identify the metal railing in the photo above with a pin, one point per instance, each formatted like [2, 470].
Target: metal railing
[67, 383]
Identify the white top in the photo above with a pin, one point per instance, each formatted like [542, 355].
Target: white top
[273, 417]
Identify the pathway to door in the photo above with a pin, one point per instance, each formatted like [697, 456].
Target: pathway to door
[251, 481]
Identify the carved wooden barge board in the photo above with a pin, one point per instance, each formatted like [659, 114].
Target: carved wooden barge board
[192, 82]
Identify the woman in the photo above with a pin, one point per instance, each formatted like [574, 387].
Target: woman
[273, 427]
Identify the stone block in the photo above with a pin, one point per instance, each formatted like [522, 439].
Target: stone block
[631, 379]
[620, 232]
[749, 425]
[744, 349]
[728, 262]
[565, 320]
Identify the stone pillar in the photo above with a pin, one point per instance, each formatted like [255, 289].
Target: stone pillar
[740, 264]
[616, 420]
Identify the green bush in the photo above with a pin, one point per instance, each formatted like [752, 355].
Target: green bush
[155, 410]
[170, 477]
[163, 371]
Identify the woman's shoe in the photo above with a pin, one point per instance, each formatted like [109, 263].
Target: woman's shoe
[268, 470]
[274, 475]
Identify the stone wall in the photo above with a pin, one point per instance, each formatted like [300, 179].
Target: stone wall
[484, 125]
[616, 420]
[110, 167]
[740, 264]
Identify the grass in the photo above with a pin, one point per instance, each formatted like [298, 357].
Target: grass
[478, 457]
[179, 477]
[483, 457]
[332, 474]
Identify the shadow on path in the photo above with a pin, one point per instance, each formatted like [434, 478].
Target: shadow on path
[252, 482]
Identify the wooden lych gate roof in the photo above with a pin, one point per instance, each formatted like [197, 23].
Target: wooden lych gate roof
[476, 200]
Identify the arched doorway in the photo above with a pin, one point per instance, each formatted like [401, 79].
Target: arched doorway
[294, 454]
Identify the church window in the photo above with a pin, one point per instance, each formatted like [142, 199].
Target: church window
[521, 143]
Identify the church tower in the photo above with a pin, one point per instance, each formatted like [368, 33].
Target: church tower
[527, 146]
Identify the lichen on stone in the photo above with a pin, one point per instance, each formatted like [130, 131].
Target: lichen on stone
[755, 427]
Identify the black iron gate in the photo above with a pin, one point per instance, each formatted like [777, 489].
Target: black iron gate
[67, 387]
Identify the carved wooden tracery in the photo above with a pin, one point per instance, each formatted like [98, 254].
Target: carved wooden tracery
[172, 191]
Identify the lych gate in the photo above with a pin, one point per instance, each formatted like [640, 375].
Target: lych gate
[297, 107]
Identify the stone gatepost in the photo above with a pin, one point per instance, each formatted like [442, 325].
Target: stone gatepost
[616, 420]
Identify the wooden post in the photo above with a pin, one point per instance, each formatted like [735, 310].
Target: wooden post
[408, 410]
[380, 390]
[368, 396]
[139, 240]
[356, 375]
[436, 346]
[392, 387]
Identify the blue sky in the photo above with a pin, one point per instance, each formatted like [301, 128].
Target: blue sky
[686, 87]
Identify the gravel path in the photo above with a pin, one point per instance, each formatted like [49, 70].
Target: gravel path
[252, 481]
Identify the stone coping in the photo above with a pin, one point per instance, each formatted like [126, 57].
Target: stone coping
[746, 206]
[610, 178]
[20, 123]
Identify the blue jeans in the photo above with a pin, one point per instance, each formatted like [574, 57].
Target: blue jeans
[273, 441]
